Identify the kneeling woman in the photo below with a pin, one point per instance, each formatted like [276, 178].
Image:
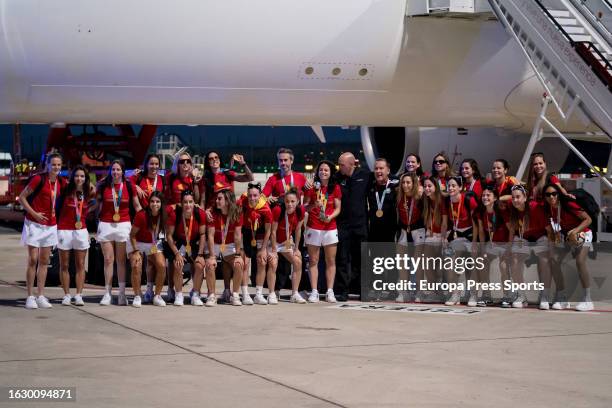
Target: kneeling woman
[185, 242]
[287, 220]
[71, 231]
[323, 204]
[570, 222]
[146, 237]
[225, 244]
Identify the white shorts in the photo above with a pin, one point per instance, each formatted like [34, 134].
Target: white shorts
[73, 239]
[230, 249]
[114, 231]
[435, 239]
[143, 247]
[37, 235]
[496, 249]
[319, 238]
[283, 248]
[418, 237]
[461, 244]
[522, 246]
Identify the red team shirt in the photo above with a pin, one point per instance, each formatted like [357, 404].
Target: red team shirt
[537, 222]
[314, 221]
[179, 231]
[43, 201]
[219, 222]
[221, 179]
[403, 208]
[147, 185]
[144, 234]
[465, 217]
[67, 215]
[250, 215]
[274, 185]
[176, 189]
[499, 230]
[476, 188]
[281, 230]
[569, 219]
[108, 209]
[539, 196]
[431, 223]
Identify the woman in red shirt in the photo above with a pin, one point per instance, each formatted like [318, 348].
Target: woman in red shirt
[180, 178]
[256, 229]
[503, 182]
[39, 232]
[225, 243]
[287, 220]
[527, 230]
[117, 200]
[323, 205]
[72, 232]
[186, 242]
[470, 173]
[569, 223]
[539, 176]
[146, 182]
[441, 171]
[146, 236]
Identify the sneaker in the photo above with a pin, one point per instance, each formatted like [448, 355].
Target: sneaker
[272, 299]
[246, 299]
[581, 307]
[148, 296]
[297, 298]
[178, 299]
[170, 294]
[31, 303]
[519, 302]
[481, 303]
[561, 305]
[137, 302]
[453, 299]
[226, 297]
[43, 302]
[122, 300]
[78, 300]
[418, 298]
[505, 303]
[211, 300]
[195, 299]
[235, 299]
[67, 300]
[314, 296]
[544, 305]
[158, 301]
[259, 299]
[472, 302]
[106, 300]
[402, 297]
[329, 296]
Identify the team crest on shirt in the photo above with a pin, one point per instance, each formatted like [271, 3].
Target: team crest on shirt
[180, 187]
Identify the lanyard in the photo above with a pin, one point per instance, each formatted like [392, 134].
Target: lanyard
[409, 210]
[471, 188]
[117, 197]
[287, 230]
[53, 195]
[520, 223]
[78, 207]
[154, 234]
[188, 231]
[457, 214]
[502, 187]
[490, 224]
[149, 189]
[379, 200]
[224, 231]
[285, 187]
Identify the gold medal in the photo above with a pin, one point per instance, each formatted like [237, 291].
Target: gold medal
[253, 242]
[288, 244]
[116, 217]
[222, 248]
[78, 225]
[188, 250]
[379, 213]
[154, 249]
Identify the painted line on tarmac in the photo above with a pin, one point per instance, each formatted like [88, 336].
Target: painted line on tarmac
[436, 310]
[94, 357]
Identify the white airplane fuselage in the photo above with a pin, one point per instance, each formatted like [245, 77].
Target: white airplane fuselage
[267, 62]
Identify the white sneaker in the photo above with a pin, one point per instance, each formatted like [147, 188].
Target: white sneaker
[453, 300]
[519, 302]
[297, 298]
[122, 299]
[43, 302]
[158, 301]
[211, 300]
[272, 299]
[581, 307]
[31, 303]
[178, 299]
[472, 301]
[195, 299]
[402, 297]
[544, 305]
[314, 296]
[67, 300]
[137, 301]
[259, 299]
[106, 300]
[246, 299]
[561, 305]
[330, 297]
[235, 299]
[78, 300]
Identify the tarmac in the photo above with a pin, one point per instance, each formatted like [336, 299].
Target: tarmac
[293, 355]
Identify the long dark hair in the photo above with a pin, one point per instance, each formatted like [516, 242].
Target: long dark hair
[475, 170]
[434, 212]
[108, 180]
[331, 184]
[499, 220]
[71, 187]
[233, 209]
[298, 208]
[162, 213]
[563, 198]
[209, 177]
[145, 166]
[419, 170]
[514, 212]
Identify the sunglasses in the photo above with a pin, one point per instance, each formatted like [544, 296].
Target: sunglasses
[255, 185]
[553, 194]
[184, 161]
[439, 161]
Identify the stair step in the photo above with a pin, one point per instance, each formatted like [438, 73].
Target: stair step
[559, 13]
[574, 30]
[577, 37]
[567, 21]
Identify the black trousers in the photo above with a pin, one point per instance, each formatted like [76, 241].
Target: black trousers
[348, 261]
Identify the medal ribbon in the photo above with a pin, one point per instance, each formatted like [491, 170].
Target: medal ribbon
[117, 197]
[379, 200]
[53, 195]
[224, 230]
[410, 210]
[291, 183]
[187, 231]
[154, 233]
[456, 214]
[149, 188]
[287, 230]
[78, 207]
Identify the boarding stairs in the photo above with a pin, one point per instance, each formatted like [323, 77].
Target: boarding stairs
[571, 58]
